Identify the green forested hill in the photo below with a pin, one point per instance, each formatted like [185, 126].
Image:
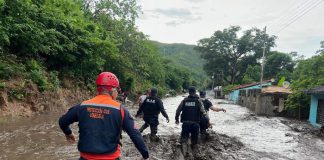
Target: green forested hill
[184, 55]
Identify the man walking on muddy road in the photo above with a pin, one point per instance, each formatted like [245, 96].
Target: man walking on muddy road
[205, 121]
[101, 121]
[192, 110]
[151, 108]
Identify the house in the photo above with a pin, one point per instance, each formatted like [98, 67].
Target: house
[234, 95]
[316, 113]
[271, 100]
[268, 101]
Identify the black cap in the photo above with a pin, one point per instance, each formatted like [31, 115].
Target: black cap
[192, 90]
[202, 93]
[153, 91]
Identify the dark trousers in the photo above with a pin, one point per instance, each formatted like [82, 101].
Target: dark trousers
[187, 129]
[203, 124]
[153, 128]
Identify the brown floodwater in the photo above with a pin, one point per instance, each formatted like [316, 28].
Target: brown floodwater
[240, 135]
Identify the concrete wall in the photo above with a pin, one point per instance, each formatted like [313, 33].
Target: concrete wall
[234, 95]
[264, 105]
[261, 103]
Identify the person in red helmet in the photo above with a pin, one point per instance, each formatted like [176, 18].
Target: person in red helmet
[101, 121]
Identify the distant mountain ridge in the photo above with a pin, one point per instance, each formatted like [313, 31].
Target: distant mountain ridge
[184, 55]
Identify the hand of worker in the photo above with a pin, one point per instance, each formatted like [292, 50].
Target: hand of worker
[167, 119]
[70, 138]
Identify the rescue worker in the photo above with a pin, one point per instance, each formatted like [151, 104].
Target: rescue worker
[101, 121]
[192, 110]
[205, 121]
[143, 97]
[151, 108]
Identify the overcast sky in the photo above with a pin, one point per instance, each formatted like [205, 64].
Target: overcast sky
[187, 21]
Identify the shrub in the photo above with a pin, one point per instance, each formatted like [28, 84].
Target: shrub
[54, 80]
[2, 85]
[37, 75]
[297, 105]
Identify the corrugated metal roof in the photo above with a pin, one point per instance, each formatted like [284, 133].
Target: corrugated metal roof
[251, 84]
[276, 89]
[316, 90]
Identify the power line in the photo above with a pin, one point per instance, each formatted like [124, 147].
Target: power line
[301, 8]
[288, 12]
[297, 17]
[299, 12]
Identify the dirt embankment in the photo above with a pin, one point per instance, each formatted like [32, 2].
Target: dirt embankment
[35, 102]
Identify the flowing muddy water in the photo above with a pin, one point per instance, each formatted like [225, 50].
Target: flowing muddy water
[240, 135]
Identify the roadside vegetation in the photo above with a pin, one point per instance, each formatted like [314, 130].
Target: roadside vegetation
[238, 60]
[66, 43]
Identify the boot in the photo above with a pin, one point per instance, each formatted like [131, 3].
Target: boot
[184, 149]
[154, 138]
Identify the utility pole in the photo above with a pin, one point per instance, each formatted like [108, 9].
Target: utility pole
[213, 82]
[263, 56]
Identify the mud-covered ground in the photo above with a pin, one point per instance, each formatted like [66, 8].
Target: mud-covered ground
[236, 134]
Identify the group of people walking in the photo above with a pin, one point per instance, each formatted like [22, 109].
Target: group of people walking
[102, 119]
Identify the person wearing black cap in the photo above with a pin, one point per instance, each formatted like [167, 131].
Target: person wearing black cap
[191, 110]
[151, 108]
[204, 123]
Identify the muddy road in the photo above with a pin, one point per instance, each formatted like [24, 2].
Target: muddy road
[237, 134]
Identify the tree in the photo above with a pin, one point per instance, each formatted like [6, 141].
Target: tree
[321, 50]
[278, 65]
[308, 74]
[225, 51]
[252, 74]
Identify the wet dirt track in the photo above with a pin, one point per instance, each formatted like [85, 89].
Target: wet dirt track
[237, 134]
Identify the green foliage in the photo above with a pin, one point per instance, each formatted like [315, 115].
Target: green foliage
[185, 56]
[321, 50]
[2, 85]
[37, 73]
[227, 53]
[10, 68]
[172, 92]
[297, 104]
[277, 65]
[252, 74]
[308, 74]
[54, 80]
[78, 39]
[17, 93]
[227, 89]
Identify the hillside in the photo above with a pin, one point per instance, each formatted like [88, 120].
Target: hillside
[184, 55]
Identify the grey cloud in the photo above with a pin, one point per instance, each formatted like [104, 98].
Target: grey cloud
[174, 12]
[174, 23]
[195, 1]
[176, 16]
[183, 21]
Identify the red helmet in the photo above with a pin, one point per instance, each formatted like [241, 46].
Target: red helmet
[107, 79]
